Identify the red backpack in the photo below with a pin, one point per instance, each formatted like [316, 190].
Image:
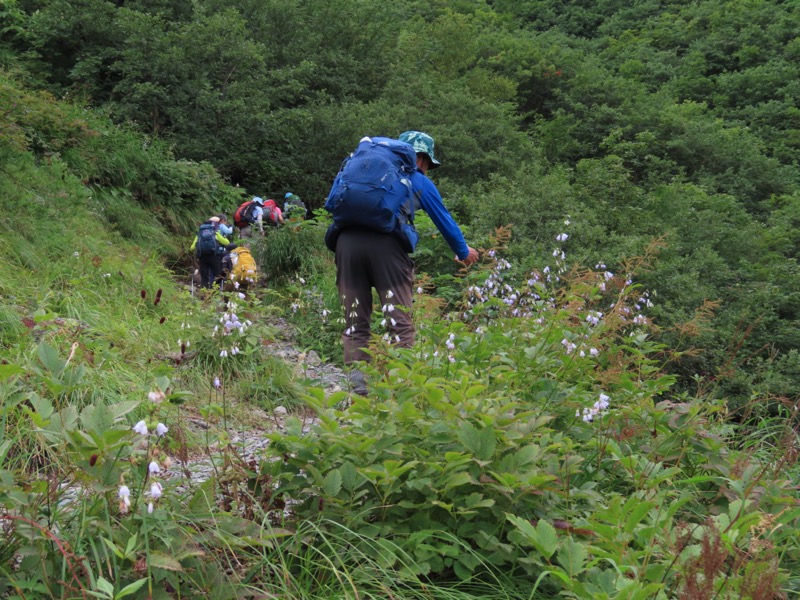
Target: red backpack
[244, 214]
[271, 212]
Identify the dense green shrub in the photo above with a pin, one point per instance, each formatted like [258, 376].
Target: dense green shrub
[549, 444]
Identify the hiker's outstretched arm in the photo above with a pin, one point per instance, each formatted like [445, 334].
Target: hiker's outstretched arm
[431, 202]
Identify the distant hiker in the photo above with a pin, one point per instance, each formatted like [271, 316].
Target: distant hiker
[373, 234]
[244, 270]
[225, 229]
[248, 213]
[253, 212]
[208, 246]
[227, 265]
[273, 215]
[294, 207]
[239, 268]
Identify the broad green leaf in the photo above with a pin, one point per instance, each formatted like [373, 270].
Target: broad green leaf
[481, 442]
[158, 560]
[571, 556]
[7, 371]
[547, 537]
[636, 516]
[113, 547]
[105, 586]
[130, 545]
[526, 455]
[543, 536]
[131, 588]
[332, 483]
[350, 476]
[49, 358]
[43, 407]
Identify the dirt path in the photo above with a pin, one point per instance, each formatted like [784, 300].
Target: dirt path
[247, 440]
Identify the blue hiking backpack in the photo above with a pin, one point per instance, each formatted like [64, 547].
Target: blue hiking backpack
[373, 185]
[207, 244]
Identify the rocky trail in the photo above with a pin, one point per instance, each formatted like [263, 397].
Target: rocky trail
[247, 440]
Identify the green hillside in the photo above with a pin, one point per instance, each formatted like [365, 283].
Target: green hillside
[603, 407]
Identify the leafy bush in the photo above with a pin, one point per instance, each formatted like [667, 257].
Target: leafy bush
[295, 249]
[548, 444]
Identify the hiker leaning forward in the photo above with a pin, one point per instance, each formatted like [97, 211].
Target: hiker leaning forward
[210, 263]
[366, 258]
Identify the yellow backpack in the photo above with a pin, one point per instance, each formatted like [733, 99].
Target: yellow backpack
[245, 269]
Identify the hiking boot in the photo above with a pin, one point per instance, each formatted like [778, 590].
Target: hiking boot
[358, 382]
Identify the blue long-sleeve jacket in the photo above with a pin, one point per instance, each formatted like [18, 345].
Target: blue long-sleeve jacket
[426, 196]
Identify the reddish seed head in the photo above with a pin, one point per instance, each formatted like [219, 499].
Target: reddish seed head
[93, 460]
[161, 320]
[143, 294]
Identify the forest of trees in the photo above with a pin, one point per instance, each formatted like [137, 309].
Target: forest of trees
[608, 158]
[643, 121]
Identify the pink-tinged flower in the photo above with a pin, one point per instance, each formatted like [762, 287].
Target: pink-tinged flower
[157, 396]
[154, 468]
[125, 494]
[562, 237]
[594, 351]
[389, 294]
[150, 508]
[156, 490]
[217, 383]
[140, 428]
[161, 429]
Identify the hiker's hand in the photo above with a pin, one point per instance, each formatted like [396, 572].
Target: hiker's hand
[472, 257]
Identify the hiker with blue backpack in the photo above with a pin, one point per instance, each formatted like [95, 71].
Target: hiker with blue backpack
[373, 200]
[209, 246]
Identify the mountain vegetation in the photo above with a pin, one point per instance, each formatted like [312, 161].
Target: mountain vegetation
[604, 407]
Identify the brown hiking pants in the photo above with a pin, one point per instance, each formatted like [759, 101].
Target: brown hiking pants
[369, 259]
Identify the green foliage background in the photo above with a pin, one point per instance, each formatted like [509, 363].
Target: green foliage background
[669, 130]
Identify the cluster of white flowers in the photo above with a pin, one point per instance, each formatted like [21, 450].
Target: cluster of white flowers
[231, 325]
[353, 314]
[588, 414]
[388, 321]
[153, 468]
[593, 318]
[520, 302]
[159, 430]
